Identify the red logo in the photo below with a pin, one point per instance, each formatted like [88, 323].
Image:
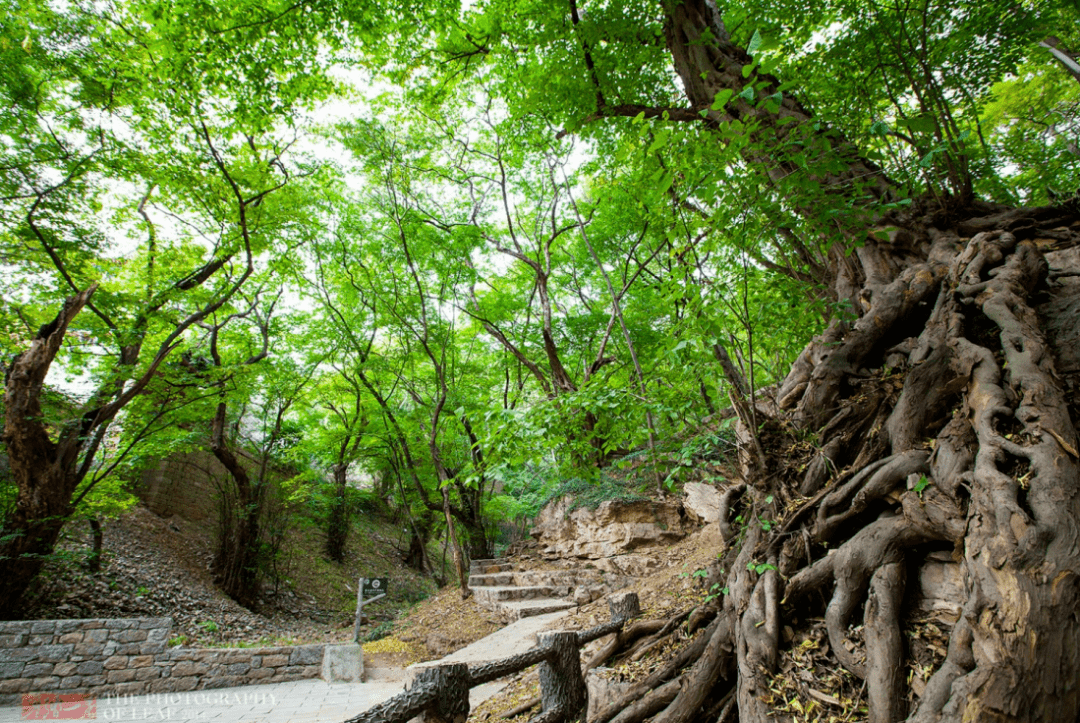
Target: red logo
[66, 706]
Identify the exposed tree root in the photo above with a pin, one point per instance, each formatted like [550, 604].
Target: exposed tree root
[942, 424]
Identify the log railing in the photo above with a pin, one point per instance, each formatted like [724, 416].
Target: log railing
[441, 694]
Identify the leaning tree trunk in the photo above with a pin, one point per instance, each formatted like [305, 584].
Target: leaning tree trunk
[45, 472]
[235, 564]
[945, 420]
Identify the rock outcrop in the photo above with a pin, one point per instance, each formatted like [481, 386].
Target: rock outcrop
[702, 502]
[613, 528]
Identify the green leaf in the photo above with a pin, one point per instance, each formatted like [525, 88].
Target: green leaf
[754, 44]
[722, 99]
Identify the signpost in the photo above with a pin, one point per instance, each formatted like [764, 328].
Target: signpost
[368, 590]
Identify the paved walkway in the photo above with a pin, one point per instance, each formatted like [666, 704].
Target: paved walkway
[303, 701]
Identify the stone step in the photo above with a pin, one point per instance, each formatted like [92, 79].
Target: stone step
[512, 592]
[492, 561]
[567, 578]
[502, 578]
[489, 567]
[518, 609]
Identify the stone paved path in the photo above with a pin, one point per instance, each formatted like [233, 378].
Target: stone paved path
[306, 701]
[303, 701]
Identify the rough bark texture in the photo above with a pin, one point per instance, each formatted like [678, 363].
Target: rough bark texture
[562, 686]
[452, 682]
[44, 471]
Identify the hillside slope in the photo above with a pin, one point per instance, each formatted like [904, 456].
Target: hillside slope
[159, 566]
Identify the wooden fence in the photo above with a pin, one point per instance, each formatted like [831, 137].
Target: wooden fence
[441, 694]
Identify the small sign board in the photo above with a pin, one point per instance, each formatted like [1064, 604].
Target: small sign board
[375, 586]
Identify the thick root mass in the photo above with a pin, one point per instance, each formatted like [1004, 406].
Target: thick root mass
[946, 427]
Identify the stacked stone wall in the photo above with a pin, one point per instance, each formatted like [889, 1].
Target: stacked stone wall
[111, 657]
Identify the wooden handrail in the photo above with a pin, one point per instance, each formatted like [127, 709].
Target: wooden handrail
[441, 693]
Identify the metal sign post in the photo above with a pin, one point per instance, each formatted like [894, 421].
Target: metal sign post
[368, 590]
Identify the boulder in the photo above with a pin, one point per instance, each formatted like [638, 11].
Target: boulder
[613, 528]
[702, 502]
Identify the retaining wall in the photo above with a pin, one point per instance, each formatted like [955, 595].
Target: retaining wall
[131, 657]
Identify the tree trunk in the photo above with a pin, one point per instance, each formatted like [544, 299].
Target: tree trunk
[95, 552]
[45, 472]
[235, 565]
[337, 524]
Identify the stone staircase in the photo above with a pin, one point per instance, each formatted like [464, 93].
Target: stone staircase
[519, 594]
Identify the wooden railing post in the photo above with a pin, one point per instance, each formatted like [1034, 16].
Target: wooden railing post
[562, 686]
[452, 682]
[625, 606]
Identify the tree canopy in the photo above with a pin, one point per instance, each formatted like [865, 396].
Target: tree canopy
[472, 252]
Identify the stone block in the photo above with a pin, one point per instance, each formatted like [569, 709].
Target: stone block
[64, 669]
[164, 624]
[95, 636]
[152, 648]
[70, 638]
[71, 682]
[11, 670]
[180, 684]
[15, 627]
[128, 648]
[68, 626]
[343, 663]
[90, 667]
[93, 681]
[260, 673]
[13, 640]
[120, 676]
[43, 627]
[238, 668]
[120, 624]
[141, 661]
[38, 640]
[222, 681]
[35, 670]
[129, 636]
[187, 668]
[16, 685]
[306, 655]
[45, 683]
[116, 662]
[20, 655]
[158, 635]
[147, 673]
[54, 653]
[178, 654]
[92, 624]
[275, 661]
[88, 650]
[131, 688]
[237, 656]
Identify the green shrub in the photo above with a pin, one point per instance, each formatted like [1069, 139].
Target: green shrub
[379, 632]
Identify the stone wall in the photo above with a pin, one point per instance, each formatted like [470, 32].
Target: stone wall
[132, 657]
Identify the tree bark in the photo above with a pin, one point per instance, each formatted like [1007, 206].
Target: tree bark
[44, 471]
